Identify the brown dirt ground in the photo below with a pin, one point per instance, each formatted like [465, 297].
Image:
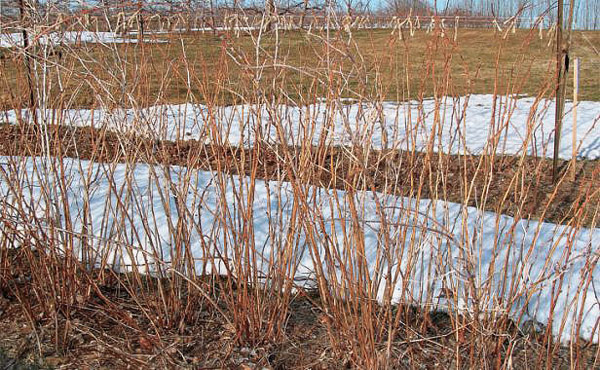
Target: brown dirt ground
[523, 190]
[105, 328]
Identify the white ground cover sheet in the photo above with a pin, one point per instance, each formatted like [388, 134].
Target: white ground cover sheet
[517, 265]
[472, 125]
[197, 29]
[8, 40]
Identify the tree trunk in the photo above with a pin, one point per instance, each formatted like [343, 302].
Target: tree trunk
[303, 15]
[140, 20]
[269, 12]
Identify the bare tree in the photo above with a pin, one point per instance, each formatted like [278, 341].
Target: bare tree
[406, 6]
[269, 13]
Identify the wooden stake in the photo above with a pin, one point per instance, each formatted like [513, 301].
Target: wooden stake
[562, 64]
[455, 28]
[575, 103]
[24, 18]
[561, 53]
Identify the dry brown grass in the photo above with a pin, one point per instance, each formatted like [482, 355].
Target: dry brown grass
[376, 65]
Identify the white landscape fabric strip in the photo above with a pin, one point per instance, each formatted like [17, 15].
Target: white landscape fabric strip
[519, 266]
[8, 40]
[197, 29]
[472, 125]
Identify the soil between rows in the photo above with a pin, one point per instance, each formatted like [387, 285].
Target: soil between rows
[520, 187]
[107, 326]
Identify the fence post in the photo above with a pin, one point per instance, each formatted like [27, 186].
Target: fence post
[455, 28]
[575, 103]
[25, 18]
[561, 53]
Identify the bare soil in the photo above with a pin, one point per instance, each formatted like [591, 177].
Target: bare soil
[107, 327]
